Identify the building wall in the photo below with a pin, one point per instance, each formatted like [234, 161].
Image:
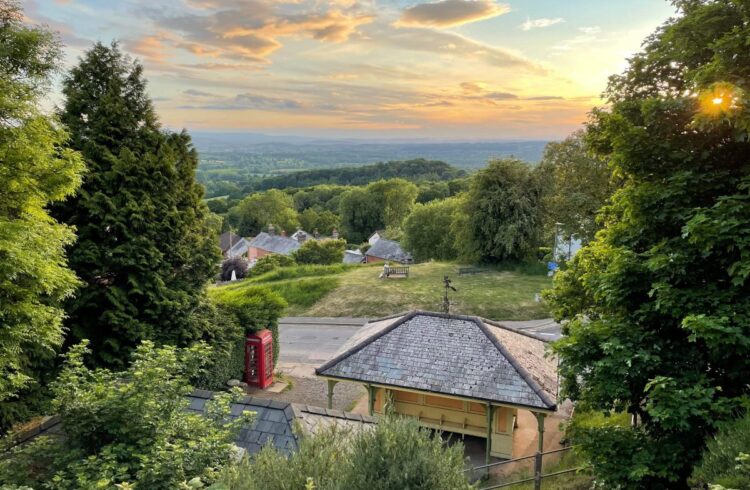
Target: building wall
[451, 414]
[372, 260]
[254, 253]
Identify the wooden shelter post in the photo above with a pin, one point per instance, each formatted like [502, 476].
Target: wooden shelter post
[331, 384]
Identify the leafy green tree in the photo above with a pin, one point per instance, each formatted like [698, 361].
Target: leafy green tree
[577, 183]
[657, 305]
[502, 212]
[393, 455]
[35, 171]
[726, 460]
[145, 249]
[360, 215]
[129, 429]
[396, 198]
[324, 221]
[427, 230]
[254, 213]
[323, 252]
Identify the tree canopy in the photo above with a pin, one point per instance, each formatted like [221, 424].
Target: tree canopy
[428, 230]
[145, 249]
[35, 170]
[658, 306]
[254, 213]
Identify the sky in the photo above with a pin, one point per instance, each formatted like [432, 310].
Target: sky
[450, 69]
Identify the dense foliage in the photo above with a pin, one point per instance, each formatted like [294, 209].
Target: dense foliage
[145, 250]
[395, 454]
[257, 211]
[418, 170]
[128, 429]
[428, 232]
[35, 171]
[577, 183]
[659, 305]
[726, 460]
[502, 212]
[322, 252]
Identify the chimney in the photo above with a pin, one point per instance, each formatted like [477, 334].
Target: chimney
[335, 234]
[282, 233]
[271, 229]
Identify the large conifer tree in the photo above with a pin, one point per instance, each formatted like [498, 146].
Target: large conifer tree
[144, 250]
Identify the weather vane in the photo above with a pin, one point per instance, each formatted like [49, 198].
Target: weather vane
[446, 301]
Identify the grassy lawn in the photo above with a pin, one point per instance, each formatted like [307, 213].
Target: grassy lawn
[357, 291]
[500, 295]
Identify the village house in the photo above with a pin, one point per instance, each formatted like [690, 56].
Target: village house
[267, 243]
[387, 251]
[453, 373]
[227, 240]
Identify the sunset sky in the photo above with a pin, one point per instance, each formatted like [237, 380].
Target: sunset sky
[451, 69]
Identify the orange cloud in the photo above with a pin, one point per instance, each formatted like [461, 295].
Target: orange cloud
[450, 13]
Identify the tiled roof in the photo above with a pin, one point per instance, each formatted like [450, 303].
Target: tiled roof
[275, 243]
[227, 240]
[239, 248]
[388, 250]
[450, 354]
[275, 421]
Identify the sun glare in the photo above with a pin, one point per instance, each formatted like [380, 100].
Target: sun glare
[720, 99]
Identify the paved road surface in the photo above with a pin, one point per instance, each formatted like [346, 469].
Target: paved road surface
[546, 328]
[311, 340]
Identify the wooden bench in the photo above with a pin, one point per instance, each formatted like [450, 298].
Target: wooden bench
[462, 271]
[398, 271]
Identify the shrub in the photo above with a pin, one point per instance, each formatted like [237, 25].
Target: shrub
[269, 263]
[131, 428]
[725, 461]
[284, 273]
[253, 307]
[394, 455]
[322, 252]
[238, 265]
[305, 292]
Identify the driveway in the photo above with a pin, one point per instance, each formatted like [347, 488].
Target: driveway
[314, 340]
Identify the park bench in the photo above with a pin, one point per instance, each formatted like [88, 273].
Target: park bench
[462, 271]
[398, 271]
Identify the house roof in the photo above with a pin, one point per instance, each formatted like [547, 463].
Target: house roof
[239, 248]
[275, 243]
[227, 240]
[455, 355]
[274, 422]
[353, 257]
[388, 250]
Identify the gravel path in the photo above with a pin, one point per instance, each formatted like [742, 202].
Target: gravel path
[314, 391]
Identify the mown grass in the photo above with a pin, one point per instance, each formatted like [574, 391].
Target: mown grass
[502, 293]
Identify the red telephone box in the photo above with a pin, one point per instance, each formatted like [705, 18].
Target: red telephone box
[259, 359]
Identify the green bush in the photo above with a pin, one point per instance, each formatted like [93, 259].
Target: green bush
[725, 461]
[394, 455]
[252, 307]
[128, 429]
[323, 252]
[283, 273]
[269, 263]
[305, 292]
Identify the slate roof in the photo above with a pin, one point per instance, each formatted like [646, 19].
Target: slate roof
[275, 243]
[239, 248]
[450, 354]
[353, 257]
[389, 250]
[227, 240]
[274, 422]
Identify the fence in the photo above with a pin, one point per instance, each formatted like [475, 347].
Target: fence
[512, 471]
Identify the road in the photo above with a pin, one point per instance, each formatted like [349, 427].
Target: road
[312, 340]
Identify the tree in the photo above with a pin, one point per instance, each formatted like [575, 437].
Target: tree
[324, 252]
[396, 198]
[502, 211]
[35, 170]
[577, 184]
[393, 455]
[238, 265]
[129, 429]
[657, 305]
[428, 233]
[145, 249]
[254, 213]
[360, 215]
